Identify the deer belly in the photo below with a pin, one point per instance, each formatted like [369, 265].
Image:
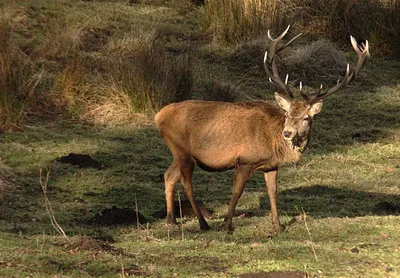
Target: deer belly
[214, 163]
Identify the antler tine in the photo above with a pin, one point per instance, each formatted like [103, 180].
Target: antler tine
[305, 96]
[270, 58]
[362, 54]
[274, 77]
[279, 38]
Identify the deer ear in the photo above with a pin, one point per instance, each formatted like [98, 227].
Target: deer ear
[316, 108]
[282, 102]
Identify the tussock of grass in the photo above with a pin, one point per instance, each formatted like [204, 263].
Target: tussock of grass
[319, 61]
[222, 91]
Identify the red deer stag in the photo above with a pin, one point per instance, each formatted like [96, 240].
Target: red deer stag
[249, 136]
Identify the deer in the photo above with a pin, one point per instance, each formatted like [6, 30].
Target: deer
[245, 136]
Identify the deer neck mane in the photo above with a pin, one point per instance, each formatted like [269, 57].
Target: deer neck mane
[290, 151]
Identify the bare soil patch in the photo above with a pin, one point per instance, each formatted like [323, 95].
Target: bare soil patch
[86, 243]
[80, 160]
[7, 177]
[118, 216]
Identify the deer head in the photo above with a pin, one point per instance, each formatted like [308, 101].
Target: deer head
[299, 113]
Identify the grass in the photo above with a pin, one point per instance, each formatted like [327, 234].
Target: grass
[346, 182]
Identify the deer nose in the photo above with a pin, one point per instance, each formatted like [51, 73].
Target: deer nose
[287, 134]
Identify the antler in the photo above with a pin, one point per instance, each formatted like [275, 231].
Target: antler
[362, 54]
[270, 58]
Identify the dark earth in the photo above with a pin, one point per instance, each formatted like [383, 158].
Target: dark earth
[118, 216]
[80, 160]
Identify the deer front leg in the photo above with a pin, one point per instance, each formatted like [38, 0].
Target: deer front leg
[272, 189]
[241, 177]
[186, 179]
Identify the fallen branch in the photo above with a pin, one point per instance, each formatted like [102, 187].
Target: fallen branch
[309, 233]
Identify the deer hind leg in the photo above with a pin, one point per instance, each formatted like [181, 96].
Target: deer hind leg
[186, 179]
[241, 177]
[271, 183]
[171, 177]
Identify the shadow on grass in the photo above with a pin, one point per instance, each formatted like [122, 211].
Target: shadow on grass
[321, 201]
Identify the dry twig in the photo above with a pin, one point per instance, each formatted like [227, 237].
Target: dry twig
[181, 214]
[49, 209]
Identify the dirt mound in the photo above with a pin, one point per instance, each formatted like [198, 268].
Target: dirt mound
[118, 216]
[87, 243]
[7, 177]
[80, 160]
[187, 210]
[275, 274]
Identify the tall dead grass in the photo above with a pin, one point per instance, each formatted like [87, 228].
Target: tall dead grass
[239, 21]
[140, 77]
[18, 76]
[375, 20]
[231, 22]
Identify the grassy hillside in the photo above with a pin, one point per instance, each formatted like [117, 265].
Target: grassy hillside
[89, 76]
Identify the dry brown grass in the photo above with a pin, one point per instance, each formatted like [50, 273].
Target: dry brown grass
[141, 68]
[61, 38]
[139, 79]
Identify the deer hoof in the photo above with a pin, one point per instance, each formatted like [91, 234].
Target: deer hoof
[277, 229]
[171, 222]
[230, 229]
[205, 227]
